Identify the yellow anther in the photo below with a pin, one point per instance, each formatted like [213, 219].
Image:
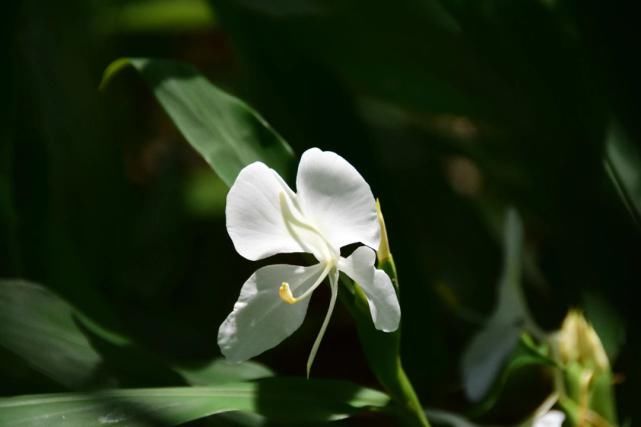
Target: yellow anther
[286, 294]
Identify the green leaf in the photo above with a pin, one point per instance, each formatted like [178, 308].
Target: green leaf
[489, 349]
[285, 400]
[80, 353]
[224, 130]
[526, 354]
[41, 329]
[485, 356]
[623, 164]
[220, 371]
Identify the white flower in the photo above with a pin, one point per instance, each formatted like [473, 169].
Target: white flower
[552, 418]
[333, 207]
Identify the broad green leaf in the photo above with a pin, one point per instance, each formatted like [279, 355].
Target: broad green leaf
[623, 163]
[220, 371]
[487, 352]
[224, 130]
[41, 329]
[79, 353]
[33, 318]
[278, 399]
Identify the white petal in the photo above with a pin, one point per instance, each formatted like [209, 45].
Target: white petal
[338, 200]
[381, 295]
[254, 217]
[260, 320]
[553, 418]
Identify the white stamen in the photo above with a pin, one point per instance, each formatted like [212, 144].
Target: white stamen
[333, 282]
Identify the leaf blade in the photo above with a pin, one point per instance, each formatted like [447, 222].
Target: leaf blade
[32, 319]
[224, 130]
[281, 399]
[622, 161]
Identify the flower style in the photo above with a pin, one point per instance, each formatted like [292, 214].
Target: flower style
[333, 207]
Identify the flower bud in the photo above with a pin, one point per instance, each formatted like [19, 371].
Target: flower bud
[579, 343]
[383, 249]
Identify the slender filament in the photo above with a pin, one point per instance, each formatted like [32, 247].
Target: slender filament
[333, 282]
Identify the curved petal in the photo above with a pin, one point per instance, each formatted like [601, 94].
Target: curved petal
[337, 199]
[381, 295]
[254, 217]
[260, 320]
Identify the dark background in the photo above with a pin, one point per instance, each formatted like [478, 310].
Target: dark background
[452, 111]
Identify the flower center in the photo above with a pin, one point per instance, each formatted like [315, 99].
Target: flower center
[285, 292]
[304, 232]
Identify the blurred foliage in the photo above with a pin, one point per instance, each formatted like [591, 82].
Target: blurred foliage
[452, 110]
[154, 16]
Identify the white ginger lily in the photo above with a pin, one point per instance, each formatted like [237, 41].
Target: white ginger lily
[552, 418]
[333, 207]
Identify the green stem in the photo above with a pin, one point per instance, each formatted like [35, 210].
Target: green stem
[407, 397]
[382, 351]
[401, 387]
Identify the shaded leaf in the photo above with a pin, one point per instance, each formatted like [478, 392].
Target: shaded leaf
[220, 371]
[623, 164]
[224, 130]
[80, 352]
[487, 352]
[276, 398]
[40, 328]
[526, 354]
[440, 417]
[485, 356]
